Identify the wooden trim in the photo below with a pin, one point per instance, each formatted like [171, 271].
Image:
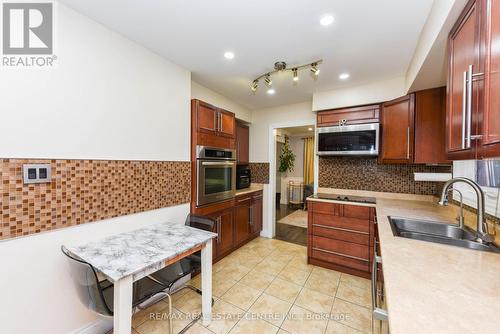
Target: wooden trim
[185, 254]
[337, 267]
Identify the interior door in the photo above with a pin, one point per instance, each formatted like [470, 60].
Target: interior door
[207, 118]
[490, 142]
[463, 53]
[227, 124]
[398, 130]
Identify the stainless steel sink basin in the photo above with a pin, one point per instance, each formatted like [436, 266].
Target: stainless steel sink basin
[439, 233]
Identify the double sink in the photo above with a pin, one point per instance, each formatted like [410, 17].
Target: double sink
[439, 233]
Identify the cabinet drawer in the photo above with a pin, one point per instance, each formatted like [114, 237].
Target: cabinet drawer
[329, 208]
[341, 222]
[356, 211]
[341, 248]
[338, 233]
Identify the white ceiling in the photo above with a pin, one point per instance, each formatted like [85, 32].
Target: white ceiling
[370, 39]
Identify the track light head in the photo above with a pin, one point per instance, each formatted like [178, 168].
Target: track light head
[315, 69]
[268, 80]
[295, 75]
[254, 86]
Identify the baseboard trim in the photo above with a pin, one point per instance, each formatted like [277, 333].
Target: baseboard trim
[98, 326]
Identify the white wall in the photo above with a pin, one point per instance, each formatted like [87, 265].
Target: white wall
[108, 98]
[297, 147]
[263, 118]
[203, 93]
[380, 91]
[38, 295]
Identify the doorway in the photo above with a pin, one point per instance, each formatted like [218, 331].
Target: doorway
[294, 181]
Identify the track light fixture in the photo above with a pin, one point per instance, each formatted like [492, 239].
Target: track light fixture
[280, 66]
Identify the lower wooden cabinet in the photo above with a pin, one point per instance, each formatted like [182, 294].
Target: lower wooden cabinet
[236, 223]
[341, 237]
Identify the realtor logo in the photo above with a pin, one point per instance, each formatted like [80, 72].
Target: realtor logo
[28, 29]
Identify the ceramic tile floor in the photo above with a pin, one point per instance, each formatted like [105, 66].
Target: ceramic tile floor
[267, 286]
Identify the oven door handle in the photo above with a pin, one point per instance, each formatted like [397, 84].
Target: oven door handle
[218, 163]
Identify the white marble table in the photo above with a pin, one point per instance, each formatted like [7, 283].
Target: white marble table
[127, 257]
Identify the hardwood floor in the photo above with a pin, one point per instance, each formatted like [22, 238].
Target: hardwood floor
[290, 233]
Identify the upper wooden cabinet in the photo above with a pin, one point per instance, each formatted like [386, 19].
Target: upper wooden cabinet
[346, 116]
[242, 143]
[397, 123]
[464, 62]
[473, 111]
[413, 128]
[490, 141]
[212, 126]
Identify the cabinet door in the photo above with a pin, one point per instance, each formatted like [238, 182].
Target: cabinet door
[398, 130]
[227, 124]
[242, 220]
[206, 117]
[490, 142]
[225, 225]
[462, 95]
[430, 126]
[354, 115]
[242, 143]
[256, 218]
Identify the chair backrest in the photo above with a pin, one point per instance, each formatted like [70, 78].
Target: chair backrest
[201, 222]
[87, 284]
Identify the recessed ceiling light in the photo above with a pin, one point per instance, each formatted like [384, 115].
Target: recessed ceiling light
[229, 55]
[326, 20]
[309, 129]
[344, 76]
[271, 91]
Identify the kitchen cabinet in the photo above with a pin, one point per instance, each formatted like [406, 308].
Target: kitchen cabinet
[462, 119]
[341, 237]
[242, 144]
[397, 127]
[256, 214]
[348, 116]
[430, 126]
[224, 227]
[413, 128]
[490, 120]
[242, 218]
[212, 126]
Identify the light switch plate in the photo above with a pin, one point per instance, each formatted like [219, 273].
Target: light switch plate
[36, 173]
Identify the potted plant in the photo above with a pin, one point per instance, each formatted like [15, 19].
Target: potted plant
[287, 158]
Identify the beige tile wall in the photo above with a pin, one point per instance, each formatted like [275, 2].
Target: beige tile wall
[83, 191]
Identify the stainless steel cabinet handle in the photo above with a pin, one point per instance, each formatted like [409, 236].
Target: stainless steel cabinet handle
[469, 106]
[378, 313]
[220, 123]
[340, 254]
[464, 108]
[340, 229]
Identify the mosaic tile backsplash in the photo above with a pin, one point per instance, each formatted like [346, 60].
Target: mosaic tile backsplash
[260, 172]
[83, 191]
[367, 174]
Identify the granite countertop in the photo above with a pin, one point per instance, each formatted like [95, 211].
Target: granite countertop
[140, 252]
[253, 188]
[429, 287]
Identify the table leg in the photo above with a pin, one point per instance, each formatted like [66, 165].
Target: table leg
[122, 317]
[206, 282]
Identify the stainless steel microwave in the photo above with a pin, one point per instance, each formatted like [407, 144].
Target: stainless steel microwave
[216, 175]
[350, 140]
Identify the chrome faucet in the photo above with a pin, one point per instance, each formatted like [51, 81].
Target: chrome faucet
[482, 227]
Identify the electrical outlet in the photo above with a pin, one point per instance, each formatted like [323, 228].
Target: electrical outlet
[36, 173]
